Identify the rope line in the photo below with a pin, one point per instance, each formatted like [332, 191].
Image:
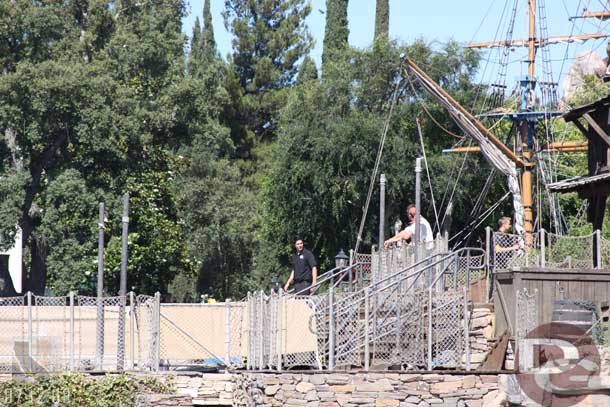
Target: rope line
[384, 134]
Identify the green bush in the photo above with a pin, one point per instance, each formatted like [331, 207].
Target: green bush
[78, 390]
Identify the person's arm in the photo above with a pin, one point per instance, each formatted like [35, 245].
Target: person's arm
[290, 279]
[402, 235]
[314, 278]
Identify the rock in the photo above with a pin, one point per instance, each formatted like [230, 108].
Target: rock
[311, 396]
[317, 379]
[271, 390]
[387, 403]
[444, 387]
[347, 388]
[469, 382]
[305, 387]
[379, 385]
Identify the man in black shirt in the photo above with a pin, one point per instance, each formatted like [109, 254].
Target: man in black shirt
[304, 270]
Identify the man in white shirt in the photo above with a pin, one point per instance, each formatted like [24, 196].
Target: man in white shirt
[425, 231]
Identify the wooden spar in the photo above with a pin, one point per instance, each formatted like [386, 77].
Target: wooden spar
[560, 146]
[604, 15]
[537, 41]
[507, 151]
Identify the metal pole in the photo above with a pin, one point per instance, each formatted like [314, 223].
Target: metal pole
[466, 330]
[99, 323]
[429, 329]
[487, 261]
[417, 236]
[382, 182]
[30, 332]
[227, 332]
[280, 320]
[542, 248]
[72, 336]
[123, 286]
[331, 328]
[158, 330]
[367, 356]
[132, 329]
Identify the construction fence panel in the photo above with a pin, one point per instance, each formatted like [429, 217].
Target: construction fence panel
[348, 328]
[397, 329]
[51, 334]
[299, 346]
[14, 351]
[87, 317]
[447, 334]
[527, 314]
[570, 252]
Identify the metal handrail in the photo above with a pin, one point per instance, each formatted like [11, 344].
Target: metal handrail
[374, 288]
[330, 275]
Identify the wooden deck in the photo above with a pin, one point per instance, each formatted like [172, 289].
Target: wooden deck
[552, 284]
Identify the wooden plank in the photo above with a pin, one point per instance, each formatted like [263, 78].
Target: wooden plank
[601, 292]
[600, 132]
[547, 298]
[497, 354]
[566, 277]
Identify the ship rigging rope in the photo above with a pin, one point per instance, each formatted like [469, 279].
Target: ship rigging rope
[480, 219]
[423, 149]
[384, 133]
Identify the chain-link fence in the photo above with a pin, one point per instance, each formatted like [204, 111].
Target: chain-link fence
[526, 320]
[49, 334]
[543, 249]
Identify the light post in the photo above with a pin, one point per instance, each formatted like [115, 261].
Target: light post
[341, 262]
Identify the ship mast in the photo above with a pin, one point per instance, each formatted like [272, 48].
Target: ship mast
[527, 118]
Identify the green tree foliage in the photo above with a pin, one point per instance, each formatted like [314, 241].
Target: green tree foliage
[382, 19]
[322, 162]
[207, 36]
[90, 96]
[270, 37]
[307, 71]
[336, 31]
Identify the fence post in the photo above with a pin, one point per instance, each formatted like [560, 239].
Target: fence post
[30, 331]
[72, 335]
[250, 317]
[158, 330]
[468, 268]
[132, 329]
[488, 268]
[99, 322]
[227, 332]
[331, 327]
[367, 355]
[123, 285]
[280, 319]
[429, 329]
[542, 248]
[598, 249]
[466, 331]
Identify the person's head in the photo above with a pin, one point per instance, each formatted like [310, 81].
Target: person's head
[411, 213]
[298, 244]
[504, 224]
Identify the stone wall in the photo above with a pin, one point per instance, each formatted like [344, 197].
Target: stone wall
[373, 389]
[349, 389]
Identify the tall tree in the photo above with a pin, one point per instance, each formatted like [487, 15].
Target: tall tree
[270, 37]
[307, 71]
[194, 58]
[382, 19]
[336, 32]
[207, 36]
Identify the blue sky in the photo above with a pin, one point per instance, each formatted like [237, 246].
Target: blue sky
[439, 21]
